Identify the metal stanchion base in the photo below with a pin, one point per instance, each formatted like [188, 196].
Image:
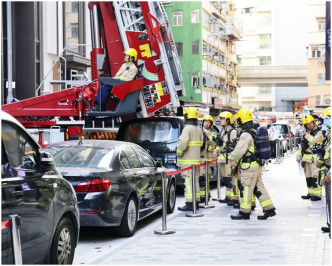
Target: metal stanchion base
[194, 214]
[165, 232]
[207, 206]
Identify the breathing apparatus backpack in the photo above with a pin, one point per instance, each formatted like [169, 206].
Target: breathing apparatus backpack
[262, 144]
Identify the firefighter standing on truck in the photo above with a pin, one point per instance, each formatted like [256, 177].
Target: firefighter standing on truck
[306, 155]
[188, 151]
[323, 162]
[207, 154]
[228, 139]
[250, 170]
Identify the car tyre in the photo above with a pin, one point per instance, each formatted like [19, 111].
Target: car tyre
[129, 219]
[171, 198]
[63, 244]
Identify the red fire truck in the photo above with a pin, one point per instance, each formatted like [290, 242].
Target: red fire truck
[116, 26]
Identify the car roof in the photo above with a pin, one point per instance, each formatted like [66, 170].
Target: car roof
[93, 143]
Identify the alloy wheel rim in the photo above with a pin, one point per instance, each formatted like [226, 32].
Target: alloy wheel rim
[131, 215]
[172, 196]
[64, 246]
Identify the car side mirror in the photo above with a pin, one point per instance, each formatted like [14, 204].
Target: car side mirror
[159, 163]
[46, 161]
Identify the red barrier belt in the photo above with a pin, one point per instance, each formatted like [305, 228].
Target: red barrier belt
[5, 224]
[188, 168]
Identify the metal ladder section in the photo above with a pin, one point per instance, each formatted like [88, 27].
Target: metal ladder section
[129, 17]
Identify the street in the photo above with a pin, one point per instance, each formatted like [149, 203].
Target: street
[293, 236]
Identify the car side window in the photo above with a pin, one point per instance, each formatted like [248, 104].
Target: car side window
[144, 157]
[132, 157]
[19, 149]
[124, 160]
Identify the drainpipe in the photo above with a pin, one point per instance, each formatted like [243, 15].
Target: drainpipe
[9, 53]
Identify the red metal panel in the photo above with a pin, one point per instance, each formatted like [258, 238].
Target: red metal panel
[111, 32]
[123, 89]
[301, 103]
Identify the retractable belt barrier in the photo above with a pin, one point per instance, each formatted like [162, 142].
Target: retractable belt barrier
[13, 223]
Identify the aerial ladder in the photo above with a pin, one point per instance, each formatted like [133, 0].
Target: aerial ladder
[115, 27]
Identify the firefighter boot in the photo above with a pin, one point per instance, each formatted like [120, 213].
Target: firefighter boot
[315, 198]
[225, 200]
[267, 214]
[236, 205]
[325, 229]
[241, 216]
[187, 207]
[231, 202]
[306, 196]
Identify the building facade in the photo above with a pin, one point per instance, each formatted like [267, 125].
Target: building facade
[38, 33]
[319, 89]
[205, 34]
[273, 65]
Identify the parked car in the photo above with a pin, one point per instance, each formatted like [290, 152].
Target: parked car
[285, 132]
[158, 136]
[32, 188]
[117, 183]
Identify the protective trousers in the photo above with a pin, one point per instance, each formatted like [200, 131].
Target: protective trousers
[314, 189]
[226, 174]
[202, 179]
[252, 183]
[188, 185]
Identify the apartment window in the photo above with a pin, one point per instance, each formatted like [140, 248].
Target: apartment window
[195, 80]
[264, 19]
[265, 60]
[74, 26]
[74, 7]
[179, 48]
[195, 47]
[265, 41]
[318, 53]
[177, 18]
[321, 24]
[321, 79]
[195, 16]
[264, 90]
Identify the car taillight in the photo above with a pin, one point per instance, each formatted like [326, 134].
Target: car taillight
[96, 185]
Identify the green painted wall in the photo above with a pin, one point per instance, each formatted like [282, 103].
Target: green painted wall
[187, 34]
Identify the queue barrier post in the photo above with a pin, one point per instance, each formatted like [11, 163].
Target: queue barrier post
[218, 181]
[193, 192]
[281, 151]
[206, 206]
[15, 222]
[277, 153]
[164, 230]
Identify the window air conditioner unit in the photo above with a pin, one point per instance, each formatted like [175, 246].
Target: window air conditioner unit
[327, 101]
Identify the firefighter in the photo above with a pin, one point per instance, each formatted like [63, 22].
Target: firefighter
[306, 155]
[244, 157]
[228, 140]
[188, 151]
[127, 72]
[206, 153]
[323, 162]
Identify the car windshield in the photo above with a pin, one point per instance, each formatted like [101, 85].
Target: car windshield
[283, 129]
[81, 156]
[154, 131]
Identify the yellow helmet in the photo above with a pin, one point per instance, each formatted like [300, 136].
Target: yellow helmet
[307, 119]
[244, 116]
[326, 113]
[132, 54]
[191, 113]
[228, 117]
[209, 118]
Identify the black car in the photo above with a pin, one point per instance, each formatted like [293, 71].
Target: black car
[117, 183]
[158, 136]
[32, 188]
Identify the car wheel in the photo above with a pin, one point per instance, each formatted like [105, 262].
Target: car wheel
[63, 244]
[171, 198]
[129, 219]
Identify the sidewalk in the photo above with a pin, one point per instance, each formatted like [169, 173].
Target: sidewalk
[293, 236]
